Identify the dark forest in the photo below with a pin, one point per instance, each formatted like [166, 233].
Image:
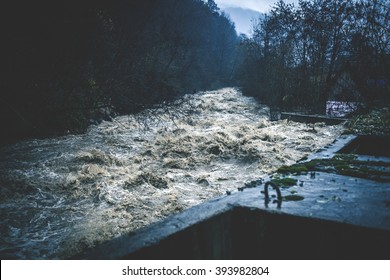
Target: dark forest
[68, 66]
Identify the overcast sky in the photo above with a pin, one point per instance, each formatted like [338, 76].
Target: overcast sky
[247, 11]
[257, 5]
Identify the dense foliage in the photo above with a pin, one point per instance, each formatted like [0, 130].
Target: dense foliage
[298, 55]
[67, 65]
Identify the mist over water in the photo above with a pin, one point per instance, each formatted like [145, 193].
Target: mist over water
[60, 196]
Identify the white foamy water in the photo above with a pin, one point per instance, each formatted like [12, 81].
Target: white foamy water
[60, 196]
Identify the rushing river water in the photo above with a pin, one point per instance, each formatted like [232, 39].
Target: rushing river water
[60, 196]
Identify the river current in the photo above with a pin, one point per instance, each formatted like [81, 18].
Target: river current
[60, 196]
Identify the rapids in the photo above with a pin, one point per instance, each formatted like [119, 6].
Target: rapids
[62, 195]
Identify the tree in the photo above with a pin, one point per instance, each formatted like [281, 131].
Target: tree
[302, 50]
[66, 66]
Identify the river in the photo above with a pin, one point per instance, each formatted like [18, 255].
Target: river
[62, 195]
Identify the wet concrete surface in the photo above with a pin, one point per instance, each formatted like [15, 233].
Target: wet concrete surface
[336, 217]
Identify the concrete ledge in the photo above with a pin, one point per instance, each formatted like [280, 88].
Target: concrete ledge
[339, 218]
[311, 118]
[243, 232]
